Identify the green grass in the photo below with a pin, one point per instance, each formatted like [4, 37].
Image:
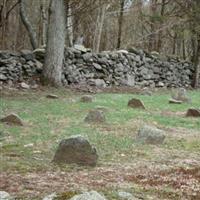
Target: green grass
[48, 121]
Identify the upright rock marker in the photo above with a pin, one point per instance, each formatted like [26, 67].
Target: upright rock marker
[136, 103]
[12, 119]
[150, 135]
[76, 150]
[86, 99]
[192, 112]
[95, 116]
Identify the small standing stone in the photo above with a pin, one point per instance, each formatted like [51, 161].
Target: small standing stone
[192, 112]
[151, 135]
[52, 96]
[86, 99]
[95, 116]
[136, 103]
[76, 150]
[93, 195]
[12, 119]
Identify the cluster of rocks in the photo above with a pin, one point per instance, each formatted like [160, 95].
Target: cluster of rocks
[17, 67]
[111, 68]
[129, 68]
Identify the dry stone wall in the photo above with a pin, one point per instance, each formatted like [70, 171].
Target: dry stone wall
[118, 68]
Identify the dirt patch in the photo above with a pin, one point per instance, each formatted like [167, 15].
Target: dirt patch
[38, 184]
[167, 113]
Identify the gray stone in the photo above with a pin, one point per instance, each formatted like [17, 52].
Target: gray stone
[150, 135]
[86, 99]
[98, 83]
[80, 48]
[52, 96]
[3, 77]
[192, 112]
[125, 196]
[174, 101]
[122, 51]
[76, 150]
[50, 197]
[130, 80]
[161, 84]
[95, 116]
[24, 85]
[155, 53]
[5, 196]
[93, 195]
[97, 66]
[27, 54]
[136, 103]
[12, 119]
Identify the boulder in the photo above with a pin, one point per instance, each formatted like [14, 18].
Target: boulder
[93, 195]
[76, 150]
[5, 196]
[192, 112]
[52, 96]
[86, 99]
[12, 119]
[150, 135]
[136, 103]
[95, 116]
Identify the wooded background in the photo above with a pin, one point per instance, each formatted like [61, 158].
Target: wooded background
[167, 26]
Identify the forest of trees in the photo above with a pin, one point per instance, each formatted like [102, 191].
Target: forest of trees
[166, 26]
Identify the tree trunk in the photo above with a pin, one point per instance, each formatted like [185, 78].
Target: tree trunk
[152, 37]
[195, 83]
[99, 27]
[56, 34]
[27, 24]
[160, 33]
[120, 21]
[44, 23]
[70, 34]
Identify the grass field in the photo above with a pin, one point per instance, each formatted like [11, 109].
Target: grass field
[168, 171]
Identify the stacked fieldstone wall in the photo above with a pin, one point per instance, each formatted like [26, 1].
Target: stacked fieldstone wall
[118, 68]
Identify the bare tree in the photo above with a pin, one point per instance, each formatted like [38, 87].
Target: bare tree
[120, 22]
[56, 34]
[27, 24]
